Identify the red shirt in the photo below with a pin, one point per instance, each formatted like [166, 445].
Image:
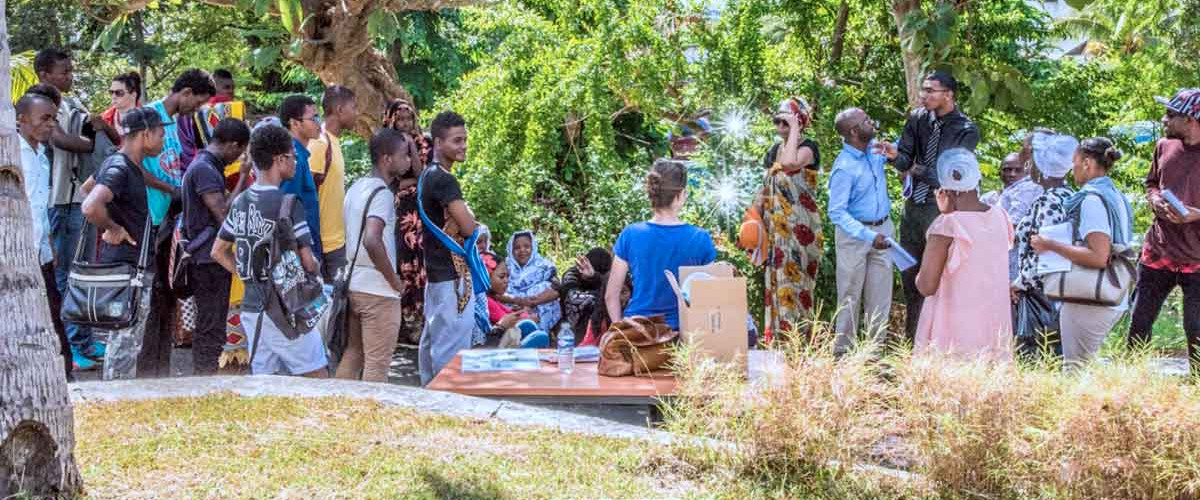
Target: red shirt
[1169, 246]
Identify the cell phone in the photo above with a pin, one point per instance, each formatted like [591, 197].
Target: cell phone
[1175, 202]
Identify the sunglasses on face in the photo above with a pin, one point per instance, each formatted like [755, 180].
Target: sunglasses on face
[117, 93]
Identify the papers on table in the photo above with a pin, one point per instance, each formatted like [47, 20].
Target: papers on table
[586, 354]
[496, 360]
[901, 258]
[1051, 262]
[1175, 202]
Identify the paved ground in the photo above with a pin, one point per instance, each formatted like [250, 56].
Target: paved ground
[404, 373]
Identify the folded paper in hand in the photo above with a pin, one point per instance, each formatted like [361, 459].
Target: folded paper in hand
[1175, 202]
[1051, 262]
[900, 257]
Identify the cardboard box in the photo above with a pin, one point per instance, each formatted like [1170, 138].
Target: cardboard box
[715, 317]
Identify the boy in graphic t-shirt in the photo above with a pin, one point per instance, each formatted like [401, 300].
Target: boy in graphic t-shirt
[448, 326]
[243, 247]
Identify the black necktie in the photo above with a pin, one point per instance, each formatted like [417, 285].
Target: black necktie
[920, 188]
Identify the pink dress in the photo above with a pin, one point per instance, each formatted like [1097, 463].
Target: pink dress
[970, 316]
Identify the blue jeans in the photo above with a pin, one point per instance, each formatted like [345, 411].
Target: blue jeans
[66, 221]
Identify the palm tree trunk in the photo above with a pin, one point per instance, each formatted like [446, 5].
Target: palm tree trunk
[37, 423]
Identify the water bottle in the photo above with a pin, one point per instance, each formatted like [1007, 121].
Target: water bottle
[566, 350]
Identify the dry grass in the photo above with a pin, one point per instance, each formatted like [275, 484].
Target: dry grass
[224, 447]
[967, 430]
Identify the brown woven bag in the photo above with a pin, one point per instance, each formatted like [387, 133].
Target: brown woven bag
[635, 346]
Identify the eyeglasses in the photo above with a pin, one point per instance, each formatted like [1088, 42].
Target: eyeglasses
[288, 156]
[315, 119]
[868, 121]
[117, 93]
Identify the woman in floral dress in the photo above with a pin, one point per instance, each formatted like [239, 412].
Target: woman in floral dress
[792, 220]
[410, 257]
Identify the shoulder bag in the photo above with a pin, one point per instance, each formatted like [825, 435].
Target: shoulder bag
[337, 328]
[105, 296]
[1084, 285]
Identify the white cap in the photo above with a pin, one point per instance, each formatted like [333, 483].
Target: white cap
[958, 170]
[1054, 153]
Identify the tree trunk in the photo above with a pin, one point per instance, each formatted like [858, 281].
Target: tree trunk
[913, 65]
[338, 50]
[839, 36]
[37, 423]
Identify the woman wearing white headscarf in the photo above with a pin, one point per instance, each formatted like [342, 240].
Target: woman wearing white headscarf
[962, 276]
[1049, 155]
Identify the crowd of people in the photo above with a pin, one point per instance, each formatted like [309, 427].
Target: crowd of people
[189, 188]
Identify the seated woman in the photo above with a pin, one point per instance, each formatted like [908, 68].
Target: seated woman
[664, 243]
[513, 328]
[533, 280]
[963, 276]
[1102, 217]
[581, 288]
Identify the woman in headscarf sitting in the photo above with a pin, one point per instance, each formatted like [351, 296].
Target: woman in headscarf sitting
[965, 315]
[582, 289]
[533, 280]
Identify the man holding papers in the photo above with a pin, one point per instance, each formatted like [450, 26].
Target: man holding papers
[859, 208]
[1171, 254]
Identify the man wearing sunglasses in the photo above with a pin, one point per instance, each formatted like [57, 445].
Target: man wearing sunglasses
[1171, 253]
[859, 208]
[298, 114]
[936, 126]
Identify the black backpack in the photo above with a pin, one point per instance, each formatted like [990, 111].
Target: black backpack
[297, 298]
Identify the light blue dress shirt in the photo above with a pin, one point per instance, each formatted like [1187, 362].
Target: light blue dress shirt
[36, 168]
[858, 191]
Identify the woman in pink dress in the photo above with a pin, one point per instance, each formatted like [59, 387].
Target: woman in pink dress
[964, 272]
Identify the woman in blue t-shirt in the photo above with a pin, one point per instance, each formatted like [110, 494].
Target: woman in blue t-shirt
[664, 243]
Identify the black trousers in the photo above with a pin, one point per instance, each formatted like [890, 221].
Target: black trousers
[55, 300]
[210, 284]
[1153, 286]
[155, 359]
[913, 225]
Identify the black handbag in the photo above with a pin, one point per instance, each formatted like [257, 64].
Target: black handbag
[337, 334]
[105, 296]
[1035, 322]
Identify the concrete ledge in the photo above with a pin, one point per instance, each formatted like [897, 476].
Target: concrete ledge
[435, 402]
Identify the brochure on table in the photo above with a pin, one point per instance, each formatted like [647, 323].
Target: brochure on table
[497, 360]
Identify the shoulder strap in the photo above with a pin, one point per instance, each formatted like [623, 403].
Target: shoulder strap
[1107, 213]
[285, 208]
[328, 151]
[362, 226]
[438, 233]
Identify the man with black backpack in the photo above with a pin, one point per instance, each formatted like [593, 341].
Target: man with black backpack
[205, 207]
[270, 250]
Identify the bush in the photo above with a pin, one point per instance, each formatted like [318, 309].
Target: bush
[1117, 429]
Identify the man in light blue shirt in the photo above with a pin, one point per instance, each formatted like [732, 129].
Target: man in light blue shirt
[36, 120]
[859, 208]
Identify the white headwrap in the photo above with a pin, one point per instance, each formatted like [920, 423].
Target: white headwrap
[1053, 153]
[958, 170]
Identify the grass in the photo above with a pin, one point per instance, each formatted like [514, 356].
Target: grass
[1116, 430]
[226, 446]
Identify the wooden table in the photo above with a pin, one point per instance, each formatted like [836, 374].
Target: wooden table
[583, 386]
[547, 385]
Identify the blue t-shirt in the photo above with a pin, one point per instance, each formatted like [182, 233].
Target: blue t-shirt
[304, 187]
[650, 249]
[167, 166]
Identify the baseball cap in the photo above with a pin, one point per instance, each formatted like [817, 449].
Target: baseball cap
[144, 118]
[958, 170]
[1186, 101]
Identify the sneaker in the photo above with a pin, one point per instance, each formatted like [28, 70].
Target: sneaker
[95, 351]
[82, 363]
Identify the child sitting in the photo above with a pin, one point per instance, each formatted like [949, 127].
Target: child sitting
[515, 328]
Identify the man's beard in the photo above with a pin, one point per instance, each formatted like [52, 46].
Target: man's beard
[1171, 133]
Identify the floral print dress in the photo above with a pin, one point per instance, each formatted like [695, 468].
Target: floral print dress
[1047, 210]
[793, 257]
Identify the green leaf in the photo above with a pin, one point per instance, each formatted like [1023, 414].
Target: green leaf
[1079, 4]
[264, 57]
[23, 75]
[289, 12]
[108, 38]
